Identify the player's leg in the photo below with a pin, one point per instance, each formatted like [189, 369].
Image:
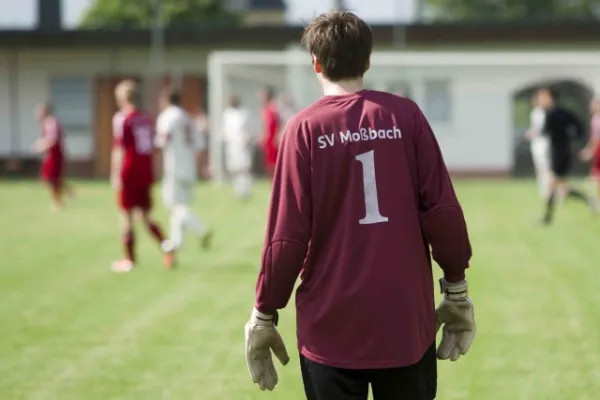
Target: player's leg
[414, 382]
[144, 204]
[128, 238]
[543, 166]
[54, 187]
[184, 198]
[175, 218]
[324, 383]
[538, 161]
[246, 184]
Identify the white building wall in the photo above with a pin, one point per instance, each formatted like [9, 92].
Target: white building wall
[479, 135]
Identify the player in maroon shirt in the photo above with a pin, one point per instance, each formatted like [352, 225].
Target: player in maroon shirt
[361, 196]
[591, 152]
[271, 127]
[132, 170]
[52, 147]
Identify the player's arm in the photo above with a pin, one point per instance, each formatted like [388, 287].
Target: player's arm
[289, 223]
[163, 133]
[120, 139]
[575, 126]
[444, 228]
[534, 129]
[50, 138]
[549, 124]
[591, 148]
[442, 219]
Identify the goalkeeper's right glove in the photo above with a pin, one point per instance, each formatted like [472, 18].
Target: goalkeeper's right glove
[455, 314]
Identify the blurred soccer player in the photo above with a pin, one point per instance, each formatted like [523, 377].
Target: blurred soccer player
[591, 152]
[52, 147]
[237, 147]
[271, 127]
[132, 171]
[561, 126]
[539, 147]
[360, 194]
[201, 122]
[175, 135]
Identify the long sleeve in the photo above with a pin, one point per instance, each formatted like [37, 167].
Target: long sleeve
[442, 218]
[289, 223]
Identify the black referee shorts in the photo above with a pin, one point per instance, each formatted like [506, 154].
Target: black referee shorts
[561, 164]
[415, 382]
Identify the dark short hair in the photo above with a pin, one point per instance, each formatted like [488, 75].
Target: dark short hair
[173, 96]
[341, 43]
[234, 101]
[269, 91]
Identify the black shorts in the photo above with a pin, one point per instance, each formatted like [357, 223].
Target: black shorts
[561, 164]
[415, 382]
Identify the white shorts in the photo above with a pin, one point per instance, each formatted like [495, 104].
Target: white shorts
[238, 158]
[177, 192]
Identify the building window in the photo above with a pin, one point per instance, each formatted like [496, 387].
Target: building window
[71, 98]
[437, 103]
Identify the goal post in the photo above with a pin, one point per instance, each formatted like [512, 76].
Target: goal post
[469, 77]
[243, 74]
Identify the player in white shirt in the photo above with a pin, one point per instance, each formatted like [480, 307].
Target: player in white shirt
[175, 135]
[539, 147]
[238, 149]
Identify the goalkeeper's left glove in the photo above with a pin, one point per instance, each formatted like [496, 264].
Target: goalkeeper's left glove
[262, 337]
[455, 314]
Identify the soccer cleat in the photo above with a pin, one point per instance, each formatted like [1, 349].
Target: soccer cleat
[121, 266]
[206, 240]
[169, 260]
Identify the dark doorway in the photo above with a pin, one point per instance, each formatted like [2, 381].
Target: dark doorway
[574, 95]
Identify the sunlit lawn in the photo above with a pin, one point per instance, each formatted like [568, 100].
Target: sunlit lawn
[72, 330]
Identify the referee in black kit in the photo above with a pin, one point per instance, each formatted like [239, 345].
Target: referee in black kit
[561, 126]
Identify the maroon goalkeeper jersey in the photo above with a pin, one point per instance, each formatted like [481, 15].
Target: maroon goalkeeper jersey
[360, 195]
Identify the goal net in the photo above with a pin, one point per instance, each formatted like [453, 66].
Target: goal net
[244, 73]
[459, 93]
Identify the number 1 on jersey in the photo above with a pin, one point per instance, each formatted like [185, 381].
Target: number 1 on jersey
[372, 214]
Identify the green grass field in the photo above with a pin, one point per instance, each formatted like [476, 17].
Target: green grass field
[72, 330]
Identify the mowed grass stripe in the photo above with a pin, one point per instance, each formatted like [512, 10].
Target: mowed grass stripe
[124, 346]
[60, 287]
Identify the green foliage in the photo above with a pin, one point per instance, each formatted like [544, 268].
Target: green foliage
[139, 14]
[503, 10]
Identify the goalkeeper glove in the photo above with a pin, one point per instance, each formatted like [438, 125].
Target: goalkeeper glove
[262, 337]
[455, 314]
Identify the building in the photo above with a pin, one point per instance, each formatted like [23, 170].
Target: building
[259, 12]
[470, 102]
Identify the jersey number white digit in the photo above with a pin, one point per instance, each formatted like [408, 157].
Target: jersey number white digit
[143, 139]
[372, 214]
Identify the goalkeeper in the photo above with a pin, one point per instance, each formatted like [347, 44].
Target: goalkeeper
[360, 196]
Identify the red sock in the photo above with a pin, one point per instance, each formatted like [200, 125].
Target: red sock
[129, 244]
[156, 232]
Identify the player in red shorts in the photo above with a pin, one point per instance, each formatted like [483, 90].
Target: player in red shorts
[591, 152]
[132, 170]
[271, 126]
[51, 145]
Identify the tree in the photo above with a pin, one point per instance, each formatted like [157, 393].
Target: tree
[503, 10]
[140, 14]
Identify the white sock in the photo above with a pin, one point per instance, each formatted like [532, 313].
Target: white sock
[192, 222]
[176, 225]
[242, 184]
